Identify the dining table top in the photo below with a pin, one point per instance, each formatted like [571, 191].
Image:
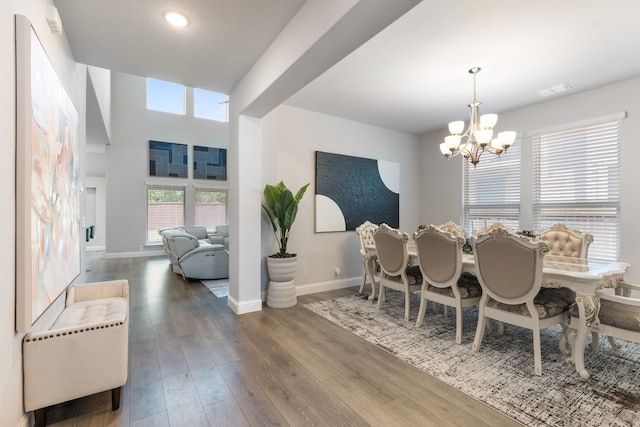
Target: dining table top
[585, 268]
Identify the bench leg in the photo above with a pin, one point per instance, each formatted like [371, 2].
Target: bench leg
[115, 398]
[40, 416]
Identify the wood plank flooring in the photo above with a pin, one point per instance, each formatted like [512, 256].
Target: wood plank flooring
[193, 362]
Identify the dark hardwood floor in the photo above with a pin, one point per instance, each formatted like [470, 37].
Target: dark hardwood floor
[193, 362]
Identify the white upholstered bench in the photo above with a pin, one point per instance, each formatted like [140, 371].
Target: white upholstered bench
[84, 352]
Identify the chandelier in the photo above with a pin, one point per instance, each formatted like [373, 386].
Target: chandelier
[479, 134]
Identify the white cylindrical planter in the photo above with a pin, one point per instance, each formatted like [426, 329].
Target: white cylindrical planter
[282, 269]
[281, 294]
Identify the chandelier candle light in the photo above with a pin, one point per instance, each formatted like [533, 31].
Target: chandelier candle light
[479, 134]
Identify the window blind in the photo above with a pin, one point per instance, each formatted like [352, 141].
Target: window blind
[492, 190]
[577, 183]
[165, 208]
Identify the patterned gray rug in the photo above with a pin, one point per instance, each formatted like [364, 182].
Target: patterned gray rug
[501, 373]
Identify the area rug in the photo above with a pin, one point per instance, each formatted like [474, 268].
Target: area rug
[219, 288]
[501, 373]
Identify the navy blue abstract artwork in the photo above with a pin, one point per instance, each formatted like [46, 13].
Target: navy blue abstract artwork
[168, 159]
[209, 163]
[351, 190]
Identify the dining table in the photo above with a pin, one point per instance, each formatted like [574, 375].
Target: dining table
[583, 276]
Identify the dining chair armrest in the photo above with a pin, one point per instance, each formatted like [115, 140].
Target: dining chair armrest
[622, 299]
[625, 289]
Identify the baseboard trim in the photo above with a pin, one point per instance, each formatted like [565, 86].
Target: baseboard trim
[96, 248]
[245, 306]
[312, 288]
[134, 254]
[256, 305]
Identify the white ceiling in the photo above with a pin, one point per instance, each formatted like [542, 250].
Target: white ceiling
[411, 77]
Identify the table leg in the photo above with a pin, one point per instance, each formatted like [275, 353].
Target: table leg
[588, 306]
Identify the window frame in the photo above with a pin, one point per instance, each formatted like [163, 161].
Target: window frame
[151, 237]
[196, 105]
[197, 220]
[151, 97]
[594, 189]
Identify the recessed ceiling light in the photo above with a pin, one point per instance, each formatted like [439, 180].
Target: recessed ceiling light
[176, 19]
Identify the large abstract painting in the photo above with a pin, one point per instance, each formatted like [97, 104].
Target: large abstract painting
[168, 159]
[209, 163]
[351, 190]
[47, 181]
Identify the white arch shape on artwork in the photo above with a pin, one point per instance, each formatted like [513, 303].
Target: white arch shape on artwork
[390, 175]
[329, 216]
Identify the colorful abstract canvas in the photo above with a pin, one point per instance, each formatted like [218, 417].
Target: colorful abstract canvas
[48, 216]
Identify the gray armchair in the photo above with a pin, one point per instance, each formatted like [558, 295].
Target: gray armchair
[194, 258]
[220, 236]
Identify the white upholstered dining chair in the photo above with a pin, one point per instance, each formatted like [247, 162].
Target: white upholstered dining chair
[564, 241]
[619, 314]
[618, 317]
[453, 228]
[509, 268]
[440, 262]
[369, 258]
[393, 257]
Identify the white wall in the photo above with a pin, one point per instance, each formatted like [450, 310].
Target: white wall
[96, 205]
[591, 104]
[73, 76]
[127, 168]
[99, 82]
[290, 138]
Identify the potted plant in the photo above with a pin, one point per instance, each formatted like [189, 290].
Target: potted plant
[281, 207]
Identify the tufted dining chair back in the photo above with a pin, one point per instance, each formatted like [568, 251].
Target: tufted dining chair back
[453, 228]
[564, 241]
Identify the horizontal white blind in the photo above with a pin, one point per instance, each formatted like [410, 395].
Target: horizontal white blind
[165, 208]
[577, 183]
[492, 190]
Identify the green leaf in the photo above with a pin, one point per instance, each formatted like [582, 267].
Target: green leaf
[282, 207]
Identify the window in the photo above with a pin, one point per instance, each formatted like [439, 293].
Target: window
[492, 191]
[210, 105]
[165, 96]
[577, 182]
[211, 207]
[165, 208]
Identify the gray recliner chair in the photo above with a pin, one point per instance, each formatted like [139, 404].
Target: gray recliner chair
[220, 236]
[194, 258]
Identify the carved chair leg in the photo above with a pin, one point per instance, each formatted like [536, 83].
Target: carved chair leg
[115, 398]
[40, 416]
